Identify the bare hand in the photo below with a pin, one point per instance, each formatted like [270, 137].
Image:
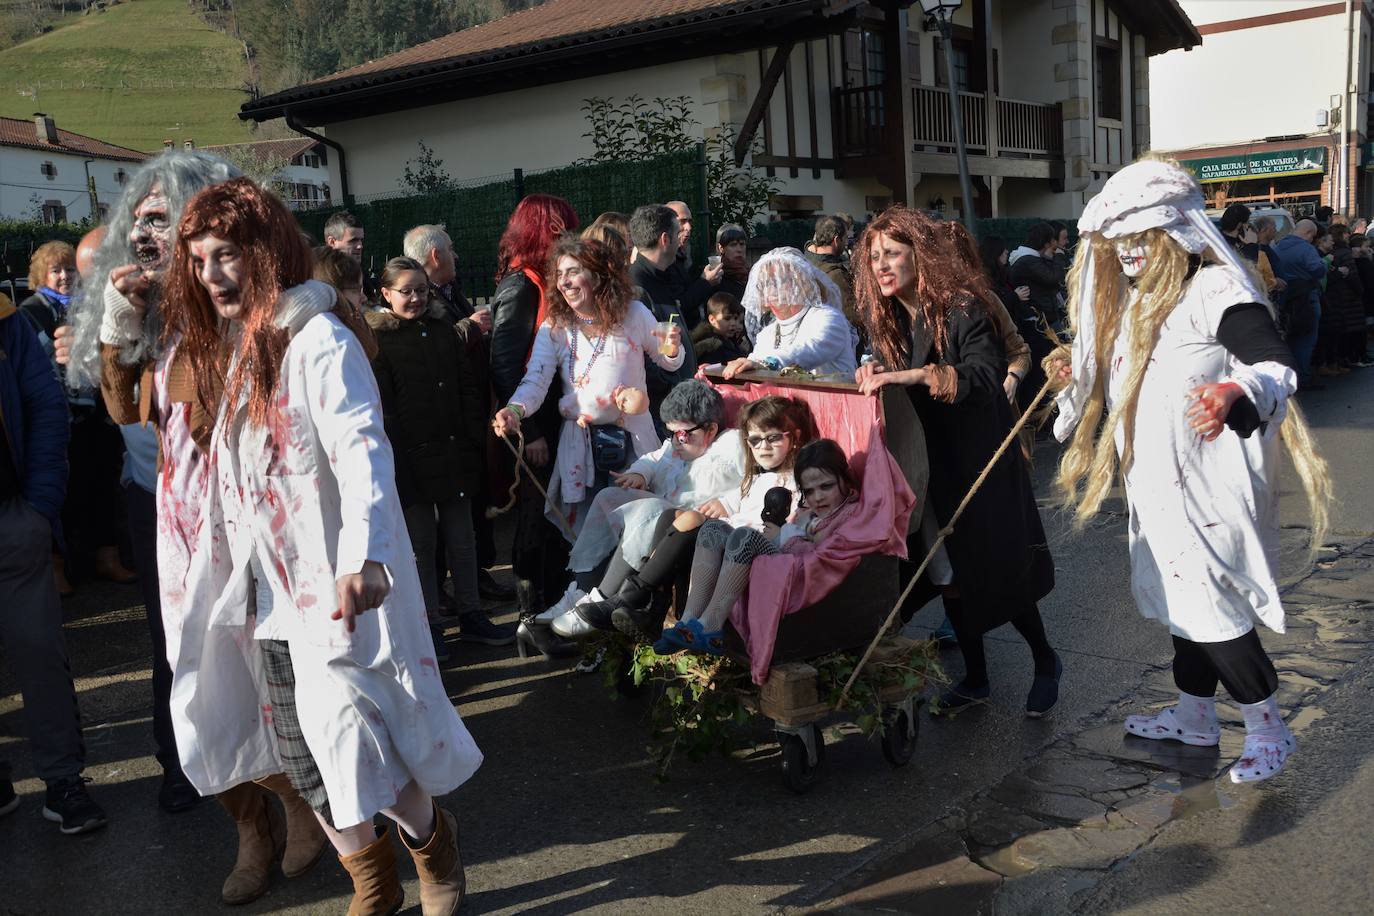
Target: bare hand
[133, 284]
[537, 453]
[483, 319]
[62, 344]
[713, 273]
[1023, 293]
[738, 367]
[1059, 365]
[771, 531]
[1009, 386]
[506, 422]
[360, 592]
[879, 380]
[1211, 404]
[714, 509]
[630, 481]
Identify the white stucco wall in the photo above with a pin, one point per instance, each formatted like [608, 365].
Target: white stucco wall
[1295, 68]
[21, 179]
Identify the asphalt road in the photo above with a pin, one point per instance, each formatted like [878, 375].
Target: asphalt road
[565, 816]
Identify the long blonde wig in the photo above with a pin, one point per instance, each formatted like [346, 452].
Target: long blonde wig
[1090, 464]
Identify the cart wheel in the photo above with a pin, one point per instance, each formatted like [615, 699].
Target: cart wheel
[798, 773]
[899, 736]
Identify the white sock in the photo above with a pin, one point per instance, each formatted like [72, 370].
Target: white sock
[1264, 718]
[1198, 714]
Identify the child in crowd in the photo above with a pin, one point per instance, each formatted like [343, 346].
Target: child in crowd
[775, 429]
[720, 338]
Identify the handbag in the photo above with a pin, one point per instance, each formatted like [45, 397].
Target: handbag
[611, 450]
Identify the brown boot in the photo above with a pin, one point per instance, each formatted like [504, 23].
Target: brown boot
[262, 835]
[376, 888]
[440, 866]
[59, 576]
[107, 566]
[305, 839]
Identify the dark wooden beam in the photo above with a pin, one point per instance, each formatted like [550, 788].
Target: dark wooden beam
[760, 104]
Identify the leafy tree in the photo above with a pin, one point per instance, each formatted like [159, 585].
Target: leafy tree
[425, 174]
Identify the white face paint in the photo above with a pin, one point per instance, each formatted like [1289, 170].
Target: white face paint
[1132, 257]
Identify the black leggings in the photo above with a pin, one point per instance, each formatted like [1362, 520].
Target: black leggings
[1241, 665]
[970, 636]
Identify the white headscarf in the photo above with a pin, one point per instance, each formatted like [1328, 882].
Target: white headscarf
[1148, 194]
[785, 275]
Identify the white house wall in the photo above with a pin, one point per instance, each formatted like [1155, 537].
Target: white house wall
[21, 178]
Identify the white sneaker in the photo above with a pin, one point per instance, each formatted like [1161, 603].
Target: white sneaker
[570, 624]
[570, 597]
[1263, 756]
[1166, 727]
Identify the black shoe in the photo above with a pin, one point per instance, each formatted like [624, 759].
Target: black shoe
[475, 627]
[531, 634]
[1044, 692]
[8, 800]
[176, 794]
[960, 696]
[70, 805]
[491, 590]
[598, 613]
[441, 652]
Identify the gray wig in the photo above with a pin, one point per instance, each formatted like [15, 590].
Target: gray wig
[181, 175]
[695, 402]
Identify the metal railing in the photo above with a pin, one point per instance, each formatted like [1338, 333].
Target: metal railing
[1031, 129]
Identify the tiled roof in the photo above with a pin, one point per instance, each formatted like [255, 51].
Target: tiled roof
[22, 132]
[287, 148]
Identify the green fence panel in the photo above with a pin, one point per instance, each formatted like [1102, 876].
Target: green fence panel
[19, 238]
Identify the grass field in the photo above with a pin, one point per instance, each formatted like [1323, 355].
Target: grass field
[139, 73]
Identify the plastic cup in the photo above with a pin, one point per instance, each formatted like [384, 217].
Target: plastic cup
[713, 260]
[664, 328]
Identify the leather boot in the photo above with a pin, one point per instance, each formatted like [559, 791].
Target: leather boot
[108, 566]
[262, 836]
[376, 888]
[59, 576]
[305, 839]
[439, 863]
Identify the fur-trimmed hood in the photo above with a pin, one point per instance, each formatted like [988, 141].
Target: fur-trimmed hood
[384, 319]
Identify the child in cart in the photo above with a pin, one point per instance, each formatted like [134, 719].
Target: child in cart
[724, 555]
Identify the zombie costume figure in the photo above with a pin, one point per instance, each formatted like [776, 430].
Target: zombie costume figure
[1176, 346]
[303, 558]
[117, 324]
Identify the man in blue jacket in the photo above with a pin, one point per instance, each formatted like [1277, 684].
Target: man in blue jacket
[1303, 269]
[33, 482]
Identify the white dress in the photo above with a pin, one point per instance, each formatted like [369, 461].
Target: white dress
[589, 378]
[628, 517]
[818, 338]
[1203, 515]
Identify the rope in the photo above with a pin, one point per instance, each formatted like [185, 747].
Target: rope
[493, 511]
[520, 461]
[940, 539]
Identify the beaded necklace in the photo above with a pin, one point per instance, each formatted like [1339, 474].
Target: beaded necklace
[796, 329]
[597, 346]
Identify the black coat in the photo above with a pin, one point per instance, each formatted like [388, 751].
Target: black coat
[1044, 277]
[1343, 305]
[998, 549]
[434, 405]
[514, 313]
[663, 288]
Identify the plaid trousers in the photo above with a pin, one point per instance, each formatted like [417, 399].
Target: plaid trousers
[297, 762]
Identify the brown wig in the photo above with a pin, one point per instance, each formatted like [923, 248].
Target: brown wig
[275, 258]
[976, 272]
[611, 237]
[611, 287]
[825, 455]
[943, 284]
[45, 258]
[788, 415]
[337, 268]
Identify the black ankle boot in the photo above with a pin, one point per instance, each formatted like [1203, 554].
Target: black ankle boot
[634, 594]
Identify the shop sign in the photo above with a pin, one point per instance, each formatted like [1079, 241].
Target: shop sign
[1310, 160]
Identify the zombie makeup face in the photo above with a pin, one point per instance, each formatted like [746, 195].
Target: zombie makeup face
[218, 265]
[1132, 255]
[151, 236]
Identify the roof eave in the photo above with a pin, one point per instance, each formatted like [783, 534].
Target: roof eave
[586, 45]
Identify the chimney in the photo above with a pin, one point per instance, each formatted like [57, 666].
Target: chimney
[188, 145]
[45, 128]
[167, 144]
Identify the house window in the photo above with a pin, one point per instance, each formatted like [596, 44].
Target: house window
[961, 55]
[49, 170]
[864, 63]
[121, 176]
[310, 161]
[54, 212]
[1108, 74]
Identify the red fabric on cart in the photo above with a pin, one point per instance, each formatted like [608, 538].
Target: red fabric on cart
[785, 583]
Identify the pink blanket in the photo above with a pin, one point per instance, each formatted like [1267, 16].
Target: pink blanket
[785, 583]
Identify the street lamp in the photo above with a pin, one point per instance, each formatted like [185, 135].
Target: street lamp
[942, 11]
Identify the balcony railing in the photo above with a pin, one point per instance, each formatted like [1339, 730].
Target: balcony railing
[859, 121]
[1027, 129]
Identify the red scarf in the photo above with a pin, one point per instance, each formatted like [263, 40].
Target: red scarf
[538, 280]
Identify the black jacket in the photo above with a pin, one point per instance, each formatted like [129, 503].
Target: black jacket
[660, 286]
[998, 549]
[690, 292]
[1044, 277]
[514, 311]
[433, 405]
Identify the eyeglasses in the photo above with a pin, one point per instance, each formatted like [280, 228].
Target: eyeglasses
[407, 292]
[770, 439]
[682, 435]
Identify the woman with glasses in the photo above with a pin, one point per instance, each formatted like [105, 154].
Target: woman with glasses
[434, 408]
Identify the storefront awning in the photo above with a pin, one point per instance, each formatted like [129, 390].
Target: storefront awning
[1309, 160]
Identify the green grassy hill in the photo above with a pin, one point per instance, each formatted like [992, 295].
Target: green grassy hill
[139, 73]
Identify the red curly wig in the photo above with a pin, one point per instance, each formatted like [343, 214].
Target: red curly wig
[611, 287]
[276, 257]
[536, 224]
[944, 283]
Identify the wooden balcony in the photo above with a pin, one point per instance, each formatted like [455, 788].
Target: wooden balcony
[993, 126]
[859, 120]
